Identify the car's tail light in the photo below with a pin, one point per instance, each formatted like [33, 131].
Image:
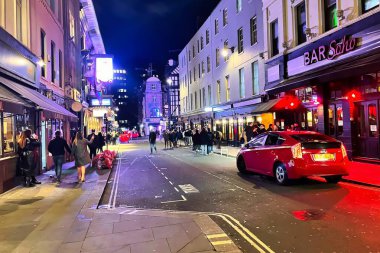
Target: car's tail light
[344, 151]
[297, 151]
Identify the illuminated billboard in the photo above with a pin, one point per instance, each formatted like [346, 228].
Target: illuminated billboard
[104, 69]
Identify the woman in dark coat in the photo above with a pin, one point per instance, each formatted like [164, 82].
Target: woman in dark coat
[204, 141]
[81, 154]
[196, 140]
[101, 142]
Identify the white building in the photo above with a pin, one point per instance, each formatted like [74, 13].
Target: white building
[217, 91]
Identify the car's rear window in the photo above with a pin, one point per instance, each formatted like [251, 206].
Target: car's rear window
[316, 141]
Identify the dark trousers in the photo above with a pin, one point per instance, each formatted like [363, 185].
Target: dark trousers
[58, 161]
[92, 152]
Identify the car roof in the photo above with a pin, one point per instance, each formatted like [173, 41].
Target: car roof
[295, 132]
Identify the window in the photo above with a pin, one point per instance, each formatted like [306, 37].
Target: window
[372, 120]
[274, 140]
[2, 13]
[154, 99]
[238, 5]
[369, 5]
[202, 45]
[217, 57]
[240, 40]
[225, 16]
[198, 45]
[274, 37]
[72, 26]
[204, 96]
[258, 141]
[154, 86]
[191, 102]
[301, 23]
[207, 37]
[216, 26]
[228, 88]
[8, 133]
[218, 92]
[189, 55]
[193, 51]
[241, 83]
[208, 64]
[203, 68]
[227, 57]
[52, 60]
[255, 78]
[200, 98]
[19, 20]
[60, 67]
[59, 11]
[199, 71]
[195, 75]
[253, 26]
[209, 95]
[43, 52]
[52, 5]
[331, 18]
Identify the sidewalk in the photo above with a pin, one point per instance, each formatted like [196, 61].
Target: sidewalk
[359, 172]
[51, 218]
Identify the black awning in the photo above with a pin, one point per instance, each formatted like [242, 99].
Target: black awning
[266, 106]
[11, 102]
[49, 107]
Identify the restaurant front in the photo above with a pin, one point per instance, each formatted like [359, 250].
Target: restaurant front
[337, 80]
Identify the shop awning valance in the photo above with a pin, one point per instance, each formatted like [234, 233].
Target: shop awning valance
[10, 102]
[50, 108]
[266, 106]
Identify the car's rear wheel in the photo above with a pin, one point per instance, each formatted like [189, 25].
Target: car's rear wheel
[280, 174]
[333, 179]
[241, 165]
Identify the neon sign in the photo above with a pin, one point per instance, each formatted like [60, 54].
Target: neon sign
[330, 52]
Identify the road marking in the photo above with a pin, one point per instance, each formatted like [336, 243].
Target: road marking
[216, 236]
[176, 189]
[166, 178]
[171, 182]
[164, 168]
[183, 197]
[221, 242]
[158, 197]
[188, 188]
[162, 174]
[114, 184]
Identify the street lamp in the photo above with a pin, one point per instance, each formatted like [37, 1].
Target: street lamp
[169, 81]
[225, 51]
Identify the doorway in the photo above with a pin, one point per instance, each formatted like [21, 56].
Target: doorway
[367, 126]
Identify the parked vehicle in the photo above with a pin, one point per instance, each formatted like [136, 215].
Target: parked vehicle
[294, 154]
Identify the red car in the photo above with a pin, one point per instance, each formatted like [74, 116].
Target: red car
[294, 154]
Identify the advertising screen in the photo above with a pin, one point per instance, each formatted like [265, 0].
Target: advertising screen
[104, 69]
[105, 102]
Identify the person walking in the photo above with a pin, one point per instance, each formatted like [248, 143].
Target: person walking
[101, 142]
[204, 141]
[249, 131]
[196, 138]
[152, 141]
[81, 155]
[210, 141]
[270, 128]
[57, 148]
[93, 146]
[26, 145]
[166, 139]
[262, 129]
[218, 137]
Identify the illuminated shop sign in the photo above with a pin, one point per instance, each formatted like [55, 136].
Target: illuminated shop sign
[330, 52]
[104, 69]
[105, 102]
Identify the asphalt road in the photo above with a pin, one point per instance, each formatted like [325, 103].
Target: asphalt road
[309, 216]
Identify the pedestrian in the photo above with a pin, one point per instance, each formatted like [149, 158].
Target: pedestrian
[210, 143]
[93, 146]
[218, 138]
[249, 131]
[261, 129]
[152, 141]
[179, 137]
[203, 141]
[196, 138]
[189, 136]
[270, 128]
[57, 148]
[81, 155]
[26, 145]
[101, 142]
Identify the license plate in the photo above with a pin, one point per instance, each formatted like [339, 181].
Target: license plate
[323, 157]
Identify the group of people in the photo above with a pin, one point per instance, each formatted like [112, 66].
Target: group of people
[28, 146]
[172, 138]
[203, 141]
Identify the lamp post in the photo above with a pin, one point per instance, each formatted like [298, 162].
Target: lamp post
[169, 81]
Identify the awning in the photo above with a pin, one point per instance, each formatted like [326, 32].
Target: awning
[50, 108]
[10, 102]
[266, 106]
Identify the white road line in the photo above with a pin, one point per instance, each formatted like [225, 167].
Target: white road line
[188, 188]
[166, 178]
[176, 189]
[173, 201]
[162, 174]
[116, 188]
[113, 185]
[183, 197]
[164, 168]
[171, 182]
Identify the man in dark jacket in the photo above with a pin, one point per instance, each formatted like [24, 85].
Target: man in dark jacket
[94, 145]
[152, 141]
[57, 148]
[204, 141]
[196, 141]
[210, 141]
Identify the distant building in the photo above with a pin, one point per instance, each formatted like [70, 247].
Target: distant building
[172, 100]
[152, 105]
[119, 91]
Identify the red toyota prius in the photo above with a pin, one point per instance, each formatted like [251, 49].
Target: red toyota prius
[294, 154]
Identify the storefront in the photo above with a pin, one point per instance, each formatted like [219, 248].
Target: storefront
[337, 79]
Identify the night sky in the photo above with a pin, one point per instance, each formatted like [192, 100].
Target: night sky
[139, 32]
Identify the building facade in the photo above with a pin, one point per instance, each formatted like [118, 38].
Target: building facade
[172, 106]
[120, 95]
[221, 70]
[152, 106]
[326, 55]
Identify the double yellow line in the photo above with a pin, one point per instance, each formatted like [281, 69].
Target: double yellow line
[244, 232]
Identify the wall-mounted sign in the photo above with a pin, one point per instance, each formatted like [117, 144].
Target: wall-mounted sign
[104, 102]
[104, 69]
[330, 52]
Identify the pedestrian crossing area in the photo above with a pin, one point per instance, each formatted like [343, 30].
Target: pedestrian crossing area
[188, 188]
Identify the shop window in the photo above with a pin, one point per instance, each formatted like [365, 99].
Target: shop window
[339, 116]
[369, 5]
[372, 120]
[8, 133]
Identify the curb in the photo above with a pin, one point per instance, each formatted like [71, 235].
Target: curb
[359, 183]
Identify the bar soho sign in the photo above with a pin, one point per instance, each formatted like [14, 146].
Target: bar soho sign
[330, 52]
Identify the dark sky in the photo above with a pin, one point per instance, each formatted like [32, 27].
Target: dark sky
[138, 32]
